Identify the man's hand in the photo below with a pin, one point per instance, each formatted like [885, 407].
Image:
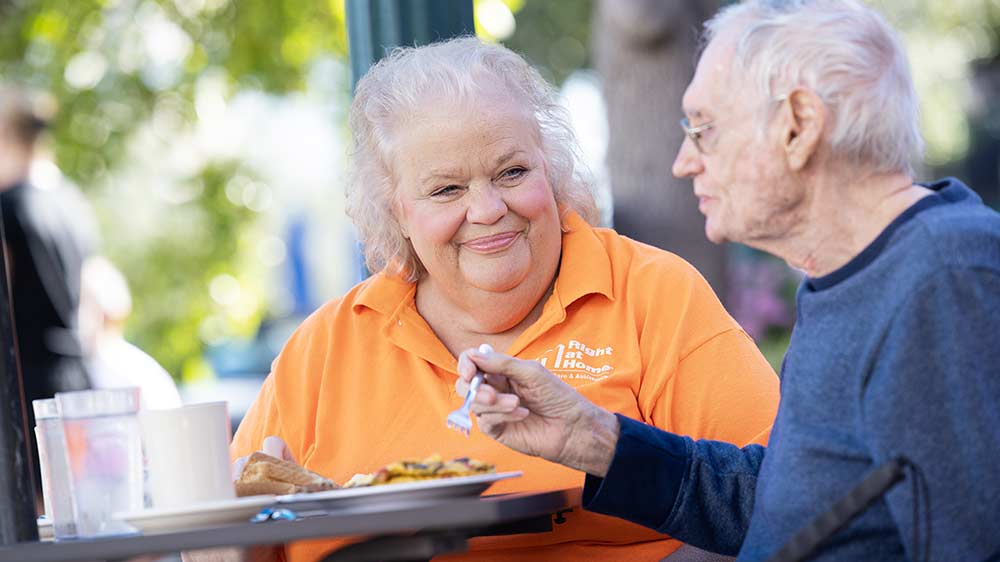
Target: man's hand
[527, 408]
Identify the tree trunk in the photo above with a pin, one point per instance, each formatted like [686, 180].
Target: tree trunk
[645, 52]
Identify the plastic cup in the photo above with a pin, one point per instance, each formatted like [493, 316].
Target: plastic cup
[104, 450]
[54, 467]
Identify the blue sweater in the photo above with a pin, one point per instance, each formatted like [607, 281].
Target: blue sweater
[895, 354]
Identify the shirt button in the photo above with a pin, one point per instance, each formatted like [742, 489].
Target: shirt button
[399, 322]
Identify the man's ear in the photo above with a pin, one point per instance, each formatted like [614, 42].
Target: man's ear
[805, 119]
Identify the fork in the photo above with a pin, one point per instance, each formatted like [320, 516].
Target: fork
[459, 419]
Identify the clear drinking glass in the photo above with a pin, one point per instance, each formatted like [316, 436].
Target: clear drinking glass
[54, 467]
[104, 450]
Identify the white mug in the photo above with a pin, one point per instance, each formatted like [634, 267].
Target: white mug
[187, 453]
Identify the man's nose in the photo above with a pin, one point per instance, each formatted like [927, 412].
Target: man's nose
[486, 204]
[688, 162]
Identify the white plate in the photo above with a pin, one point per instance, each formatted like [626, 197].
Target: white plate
[406, 492]
[238, 510]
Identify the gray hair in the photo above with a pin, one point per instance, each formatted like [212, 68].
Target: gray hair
[849, 56]
[395, 88]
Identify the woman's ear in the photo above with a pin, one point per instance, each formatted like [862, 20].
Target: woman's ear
[805, 117]
[397, 213]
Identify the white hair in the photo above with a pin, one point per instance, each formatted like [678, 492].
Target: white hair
[108, 288]
[457, 70]
[849, 56]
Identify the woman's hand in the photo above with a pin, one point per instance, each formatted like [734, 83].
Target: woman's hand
[527, 408]
[276, 447]
[272, 445]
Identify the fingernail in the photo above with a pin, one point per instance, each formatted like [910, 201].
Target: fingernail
[485, 348]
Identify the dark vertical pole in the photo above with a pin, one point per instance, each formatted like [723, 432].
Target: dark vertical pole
[17, 493]
[374, 27]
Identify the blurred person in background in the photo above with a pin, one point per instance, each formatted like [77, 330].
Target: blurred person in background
[479, 225]
[801, 129]
[113, 362]
[48, 232]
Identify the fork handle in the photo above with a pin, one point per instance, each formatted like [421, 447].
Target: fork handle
[477, 380]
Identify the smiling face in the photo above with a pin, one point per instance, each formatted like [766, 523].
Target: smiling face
[474, 199]
[743, 185]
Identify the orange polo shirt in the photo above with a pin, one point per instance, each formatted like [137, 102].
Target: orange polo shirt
[364, 382]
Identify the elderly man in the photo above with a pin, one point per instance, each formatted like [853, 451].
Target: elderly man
[801, 125]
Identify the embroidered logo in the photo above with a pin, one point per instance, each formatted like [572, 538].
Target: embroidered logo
[576, 361]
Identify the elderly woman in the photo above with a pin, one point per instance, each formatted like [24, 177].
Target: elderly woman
[479, 227]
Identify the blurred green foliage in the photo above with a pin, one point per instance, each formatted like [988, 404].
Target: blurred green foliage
[112, 64]
[944, 41]
[554, 36]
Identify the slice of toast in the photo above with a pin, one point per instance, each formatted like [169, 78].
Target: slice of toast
[264, 474]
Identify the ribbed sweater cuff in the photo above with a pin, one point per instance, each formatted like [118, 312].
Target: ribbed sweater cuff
[644, 477]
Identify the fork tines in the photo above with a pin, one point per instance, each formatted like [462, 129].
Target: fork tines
[459, 419]
[459, 423]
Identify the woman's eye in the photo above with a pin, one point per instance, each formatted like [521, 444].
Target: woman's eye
[514, 173]
[446, 190]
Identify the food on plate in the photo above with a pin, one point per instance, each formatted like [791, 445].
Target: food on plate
[264, 474]
[411, 470]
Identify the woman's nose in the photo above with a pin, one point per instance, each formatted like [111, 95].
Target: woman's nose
[486, 204]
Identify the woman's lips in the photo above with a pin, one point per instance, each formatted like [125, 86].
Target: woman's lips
[491, 244]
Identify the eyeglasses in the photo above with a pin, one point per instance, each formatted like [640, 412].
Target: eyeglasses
[696, 133]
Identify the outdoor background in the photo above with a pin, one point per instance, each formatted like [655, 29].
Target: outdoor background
[210, 138]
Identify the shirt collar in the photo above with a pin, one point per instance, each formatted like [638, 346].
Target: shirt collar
[385, 293]
[585, 267]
